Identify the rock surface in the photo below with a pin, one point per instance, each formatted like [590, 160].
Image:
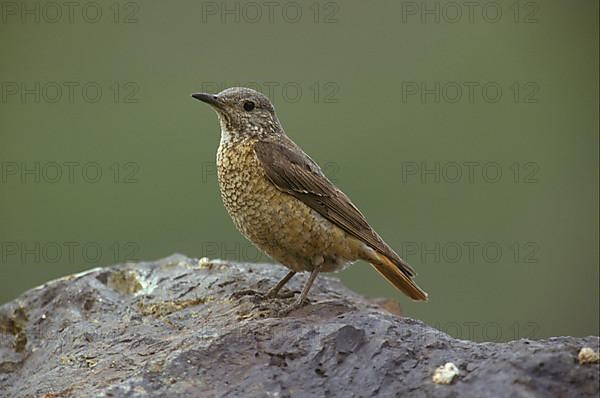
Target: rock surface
[171, 328]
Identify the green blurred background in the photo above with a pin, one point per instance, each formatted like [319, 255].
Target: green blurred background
[361, 67]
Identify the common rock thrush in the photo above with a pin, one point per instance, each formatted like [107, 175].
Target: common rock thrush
[280, 200]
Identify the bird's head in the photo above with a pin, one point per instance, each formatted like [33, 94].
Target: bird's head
[243, 112]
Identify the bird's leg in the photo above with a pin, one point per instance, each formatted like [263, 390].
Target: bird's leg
[309, 283]
[271, 293]
[275, 289]
[300, 301]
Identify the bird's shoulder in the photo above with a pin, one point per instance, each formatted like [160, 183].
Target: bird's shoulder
[285, 153]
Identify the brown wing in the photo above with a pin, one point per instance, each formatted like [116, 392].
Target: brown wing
[293, 172]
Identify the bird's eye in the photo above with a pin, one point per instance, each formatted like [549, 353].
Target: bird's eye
[248, 106]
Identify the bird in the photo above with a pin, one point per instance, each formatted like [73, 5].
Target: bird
[281, 201]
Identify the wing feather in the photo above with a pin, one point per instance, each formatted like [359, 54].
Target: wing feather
[295, 173]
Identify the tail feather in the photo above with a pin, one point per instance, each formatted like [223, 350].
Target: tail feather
[396, 276]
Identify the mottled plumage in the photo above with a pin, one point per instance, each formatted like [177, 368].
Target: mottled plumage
[280, 200]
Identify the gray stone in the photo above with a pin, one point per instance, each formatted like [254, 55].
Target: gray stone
[172, 328]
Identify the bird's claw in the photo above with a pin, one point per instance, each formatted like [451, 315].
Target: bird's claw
[282, 295]
[247, 292]
[297, 304]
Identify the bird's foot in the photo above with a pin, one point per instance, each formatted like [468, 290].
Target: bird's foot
[247, 292]
[297, 304]
[278, 294]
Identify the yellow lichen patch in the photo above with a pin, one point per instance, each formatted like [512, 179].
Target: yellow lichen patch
[66, 360]
[124, 281]
[15, 325]
[204, 262]
[159, 310]
[588, 355]
[90, 362]
[254, 315]
[445, 374]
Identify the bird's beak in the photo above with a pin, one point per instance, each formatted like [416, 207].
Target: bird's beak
[210, 99]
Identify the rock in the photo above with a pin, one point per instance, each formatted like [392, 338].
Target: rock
[171, 328]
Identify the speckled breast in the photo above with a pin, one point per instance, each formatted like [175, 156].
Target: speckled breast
[277, 223]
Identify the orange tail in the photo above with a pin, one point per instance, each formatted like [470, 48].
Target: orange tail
[396, 277]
